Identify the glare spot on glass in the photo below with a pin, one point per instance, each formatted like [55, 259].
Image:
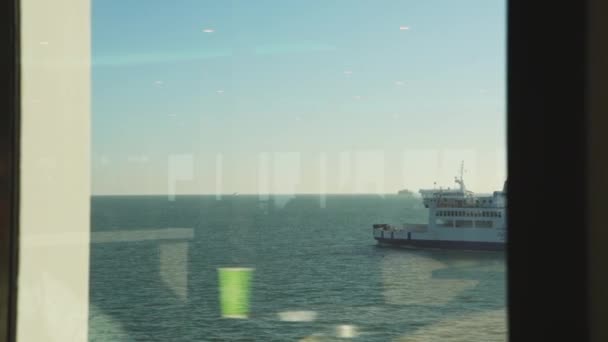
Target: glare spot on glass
[484, 326]
[348, 72]
[44, 43]
[323, 180]
[158, 83]
[297, 316]
[357, 97]
[263, 175]
[286, 175]
[370, 172]
[220, 91]
[399, 83]
[180, 169]
[346, 331]
[174, 267]
[404, 28]
[413, 281]
[219, 165]
[208, 30]
[346, 171]
[138, 235]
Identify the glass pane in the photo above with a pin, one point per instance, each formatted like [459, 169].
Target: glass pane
[259, 166]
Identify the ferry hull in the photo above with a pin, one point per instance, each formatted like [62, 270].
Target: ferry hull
[444, 244]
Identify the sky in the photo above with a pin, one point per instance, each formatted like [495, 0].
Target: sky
[286, 96]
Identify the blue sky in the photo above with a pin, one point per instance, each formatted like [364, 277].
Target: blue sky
[297, 96]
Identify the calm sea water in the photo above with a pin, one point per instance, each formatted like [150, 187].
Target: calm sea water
[310, 253]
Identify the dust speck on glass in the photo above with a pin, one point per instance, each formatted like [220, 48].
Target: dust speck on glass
[285, 171]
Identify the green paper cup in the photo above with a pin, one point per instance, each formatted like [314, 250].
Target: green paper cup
[235, 283]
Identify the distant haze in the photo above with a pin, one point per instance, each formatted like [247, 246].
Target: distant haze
[262, 97]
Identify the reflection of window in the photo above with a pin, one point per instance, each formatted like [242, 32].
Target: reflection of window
[463, 224]
[445, 223]
[483, 224]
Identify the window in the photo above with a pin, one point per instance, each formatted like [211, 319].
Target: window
[202, 160]
[445, 223]
[463, 224]
[483, 224]
[533, 84]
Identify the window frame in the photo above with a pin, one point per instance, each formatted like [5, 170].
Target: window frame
[546, 61]
[547, 265]
[9, 167]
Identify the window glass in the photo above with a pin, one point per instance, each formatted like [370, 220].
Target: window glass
[243, 150]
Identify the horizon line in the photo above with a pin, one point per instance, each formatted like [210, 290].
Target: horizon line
[256, 194]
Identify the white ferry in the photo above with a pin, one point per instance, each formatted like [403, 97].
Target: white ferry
[458, 219]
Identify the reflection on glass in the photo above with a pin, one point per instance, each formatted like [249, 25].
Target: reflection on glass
[173, 261]
[234, 288]
[278, 133]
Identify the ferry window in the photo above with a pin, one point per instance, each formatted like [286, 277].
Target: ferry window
[204, 209]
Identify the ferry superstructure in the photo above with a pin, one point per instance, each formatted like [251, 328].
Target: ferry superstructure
[458, 219]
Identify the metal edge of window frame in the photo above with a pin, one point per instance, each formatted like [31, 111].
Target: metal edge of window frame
[554, 180]
[9, 166]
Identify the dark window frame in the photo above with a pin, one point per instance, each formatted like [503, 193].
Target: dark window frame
[548, 290]
[9, 167]
[547, 267]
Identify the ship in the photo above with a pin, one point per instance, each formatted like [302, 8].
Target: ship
[406, 192]
[457, 219]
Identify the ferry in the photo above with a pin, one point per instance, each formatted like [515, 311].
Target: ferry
[458, 219]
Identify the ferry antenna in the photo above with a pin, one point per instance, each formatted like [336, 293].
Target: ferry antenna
[462, 171]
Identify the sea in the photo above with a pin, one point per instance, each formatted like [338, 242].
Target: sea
[317, 273]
